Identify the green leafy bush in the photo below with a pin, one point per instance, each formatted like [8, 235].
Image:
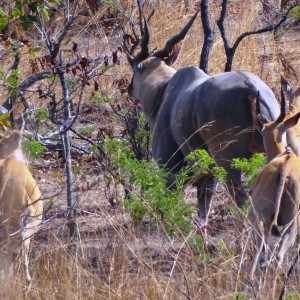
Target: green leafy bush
[202, 163]
[34, 148]
[12, 82]
[250, 167]
[42, 114]
[295, 13]
[98, 98]
[148, 196]
[292, 296]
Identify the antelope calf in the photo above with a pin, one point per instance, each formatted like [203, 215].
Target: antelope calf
[20, 205]
[275, 195]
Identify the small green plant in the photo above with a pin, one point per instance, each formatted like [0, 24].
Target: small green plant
[199, 248]
[98, 98]
[3, 20]
[202, 163]
[12, 82]
[147, 184]
[88, 130]
[34, 148]
[235, 211]
[4, 120]
[72, 84]
[295, 13]
[250, 167]
[42, 114]
[295, 295]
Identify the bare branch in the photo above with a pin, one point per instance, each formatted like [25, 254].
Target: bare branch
[230, 51]
[62, 34]
[138, 39]
[208, 36]
[262, 30]
[31, 80]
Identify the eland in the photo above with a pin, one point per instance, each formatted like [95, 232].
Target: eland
[188, 109]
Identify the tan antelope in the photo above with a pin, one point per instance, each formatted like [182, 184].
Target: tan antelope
[10, 146]
[275, 194]
[293, 134]
[188, 110]
[21, 207]
[293, 95]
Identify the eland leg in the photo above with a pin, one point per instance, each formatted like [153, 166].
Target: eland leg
[235, 187]
[205, 187]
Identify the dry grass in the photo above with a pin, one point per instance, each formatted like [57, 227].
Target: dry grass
[113, 259]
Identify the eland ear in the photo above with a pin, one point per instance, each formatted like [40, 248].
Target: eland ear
[170, 53]
[260, 121]
[173, 57]
[130, 59]
[259, 124]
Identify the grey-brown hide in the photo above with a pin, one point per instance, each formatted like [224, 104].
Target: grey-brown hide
[21, 208]
[188, 110]
[275, 194]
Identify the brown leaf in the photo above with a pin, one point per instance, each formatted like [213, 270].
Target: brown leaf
[96, 86]
[115, 58]
[75, 47]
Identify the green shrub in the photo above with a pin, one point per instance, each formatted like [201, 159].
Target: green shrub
[42, 114]
[202, 163]
[295, 295]
[87, 130]
[250, 167]
[34, 148]
[199, 248]
[98, 98]
[149, 198]
[295, 13]
[12, 82]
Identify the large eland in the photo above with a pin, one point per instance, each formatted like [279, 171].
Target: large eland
[188, 109]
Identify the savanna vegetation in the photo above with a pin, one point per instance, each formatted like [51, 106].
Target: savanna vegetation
[112, 230]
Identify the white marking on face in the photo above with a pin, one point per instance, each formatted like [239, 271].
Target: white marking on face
[19, 156]
[283, 139]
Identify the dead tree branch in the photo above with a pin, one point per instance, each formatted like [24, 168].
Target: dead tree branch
[230, 51]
